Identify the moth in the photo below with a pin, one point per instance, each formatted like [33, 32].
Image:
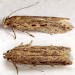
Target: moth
[50, 25]
[39, 55]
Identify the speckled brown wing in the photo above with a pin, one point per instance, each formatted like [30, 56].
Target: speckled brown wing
[39, 55]
[39, 23]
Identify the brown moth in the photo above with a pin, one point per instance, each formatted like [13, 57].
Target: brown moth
[51, 25]
[39, 55]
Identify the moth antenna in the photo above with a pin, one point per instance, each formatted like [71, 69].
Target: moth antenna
[15, 67]
[30, 34]
[14, 33]
[16, 11]
[22, 8]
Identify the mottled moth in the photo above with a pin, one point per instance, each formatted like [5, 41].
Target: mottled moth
[51, 25]
[39, 55]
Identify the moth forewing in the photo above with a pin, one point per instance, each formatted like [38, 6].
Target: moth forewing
[39, 23]
[50, 25]
[39, 55]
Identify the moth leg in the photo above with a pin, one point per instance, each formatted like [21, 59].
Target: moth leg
[34, 68]
[30, 34]
[15, 67]
[29, 45]
[14, 33]
[51, 33]
[52, 65]
[34, 65]
[37, 69]
[21, 44]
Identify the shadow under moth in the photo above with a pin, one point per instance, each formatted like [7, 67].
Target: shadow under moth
[39, 55]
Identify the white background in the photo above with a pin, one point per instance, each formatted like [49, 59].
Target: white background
[61, 8]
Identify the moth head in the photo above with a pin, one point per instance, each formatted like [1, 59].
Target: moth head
[8, 55]
[6, 22]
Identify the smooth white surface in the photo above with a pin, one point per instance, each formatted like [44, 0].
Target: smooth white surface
[63, 8]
